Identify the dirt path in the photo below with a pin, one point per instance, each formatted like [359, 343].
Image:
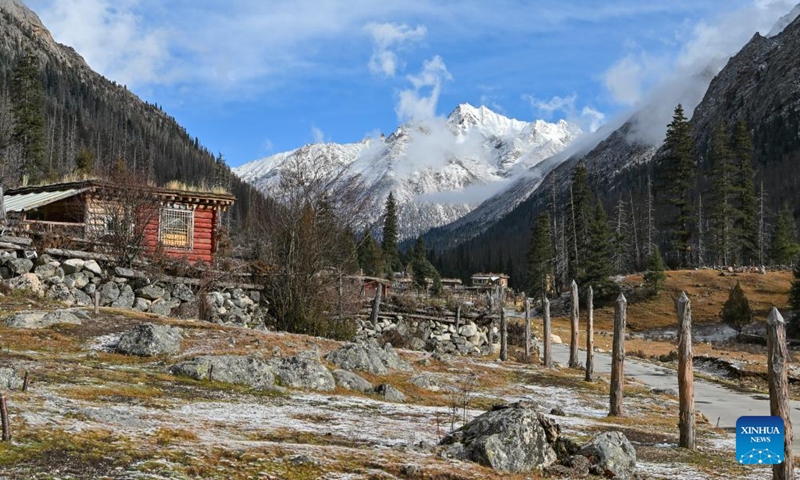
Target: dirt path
[722, 406]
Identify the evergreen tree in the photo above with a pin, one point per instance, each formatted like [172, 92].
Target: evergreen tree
[737, 312]
[793, 328]
[540, 258]
[655, 272]
[27, 95]
[579, 216]
[421, 267]
[721, 192]
[680, 162]
[391, 255]
[598, 267]
[84, 162]
[784, 239]
[370, 256]
[747, 203]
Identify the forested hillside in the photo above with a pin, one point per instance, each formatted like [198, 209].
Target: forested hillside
[757, 92]
[58, 118]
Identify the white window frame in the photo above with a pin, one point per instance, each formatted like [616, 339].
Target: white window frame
[171, 213]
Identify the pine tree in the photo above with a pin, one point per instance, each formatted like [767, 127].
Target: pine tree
[27, 95]
[747, 204]
[737, 312]
[793, 328]
[721, 192]
[579, 217]
[680, 162]
[84, 162]
[391, 255]
[540, 257]
[784, 246]
[421, 267]
[370, 256]
[598, 267]
[655, 272]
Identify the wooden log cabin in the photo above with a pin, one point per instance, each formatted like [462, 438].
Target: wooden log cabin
[172, 222]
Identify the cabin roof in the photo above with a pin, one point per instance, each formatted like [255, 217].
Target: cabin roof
[15, 201]
[39, 195]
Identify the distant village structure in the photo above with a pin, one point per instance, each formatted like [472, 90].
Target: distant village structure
[489, 280]
[177, 223]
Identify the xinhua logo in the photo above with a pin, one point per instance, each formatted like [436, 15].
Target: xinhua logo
[759, 440]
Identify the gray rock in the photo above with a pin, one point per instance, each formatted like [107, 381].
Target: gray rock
[18, 266]
[613, 452]
[5, 272]
[303, 372]
[255, 296]
[468, 330]
[416, 343]
[45, 270]
[43, 259]
[124, 272]
[512, 439]
[81, 298]
[26, 281]
[79, 279]
[390, 393]
[108, 293]
[9, 380]
[37, 320]
[151, 292]
[61, 293]
[147, 340]
[164, 307]
[125, 299]
[368, 357]
[214, 299]
[141, 304]
[72, 265]
[93, 267]
[351, 381]
[251, 371]
[90, 289]
[183, 292]
[426, 382]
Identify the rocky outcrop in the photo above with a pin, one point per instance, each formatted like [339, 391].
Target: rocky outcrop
[251, 371]
[37, 320]
[612, 452]
[147, 340]
[304, 371]
[390, 393]
[368, 357]
[9, 380]
[511, 438]
[351, 381]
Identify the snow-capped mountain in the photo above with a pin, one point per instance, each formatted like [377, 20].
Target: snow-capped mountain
[438, 170]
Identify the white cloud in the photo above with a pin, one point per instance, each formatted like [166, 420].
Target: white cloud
[628, 78]
[588, 117]
[317, 134]
[113, 39]
[419, 103]
[386, 38]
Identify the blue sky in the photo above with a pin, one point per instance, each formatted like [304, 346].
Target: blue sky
[256, 77]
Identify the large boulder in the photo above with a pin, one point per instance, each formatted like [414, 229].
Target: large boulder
[36, 320]
[511, 438]
[26, 281]
[9, 380]
[72, 265]
[78, 280]
[93, 267]
[151, 292]
[251, 371]
[60, 293]
[183, 292]
[351, 381]
[125, 299]
[368, 357]
[164, 307]
[303, 371]
[390, 393]
[19, 266]
[82, 299]
[613, 452]
[108, 293]
[147, 340]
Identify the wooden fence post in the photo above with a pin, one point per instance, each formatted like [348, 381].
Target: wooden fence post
[96, 301]
[573, 327]
[2, 208]
[686, 420]
[4, 419]
[25, 382]
[548, 350]
[503, 335]
[618, 356]
[589, 335]
[527, 328]
[491, 324]
[376, 306]
[778, 376]
[458, 318]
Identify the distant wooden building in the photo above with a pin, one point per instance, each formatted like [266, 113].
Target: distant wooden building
[452, 284]
[368, 286]
[486, 280]
[176, 223]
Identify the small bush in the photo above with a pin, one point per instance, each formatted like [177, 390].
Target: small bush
[670, 357]
[737, 312]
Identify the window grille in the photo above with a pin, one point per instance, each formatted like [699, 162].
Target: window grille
[175, 228]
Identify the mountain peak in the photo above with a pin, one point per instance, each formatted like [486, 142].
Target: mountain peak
[466, 117]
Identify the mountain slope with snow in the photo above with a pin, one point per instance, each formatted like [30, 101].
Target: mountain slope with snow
[439, 170]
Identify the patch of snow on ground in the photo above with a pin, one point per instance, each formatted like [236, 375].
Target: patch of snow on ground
[105, 343]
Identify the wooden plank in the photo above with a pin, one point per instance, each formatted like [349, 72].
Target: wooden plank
[23, 241]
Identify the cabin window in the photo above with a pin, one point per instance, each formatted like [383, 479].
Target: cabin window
[175, 228]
